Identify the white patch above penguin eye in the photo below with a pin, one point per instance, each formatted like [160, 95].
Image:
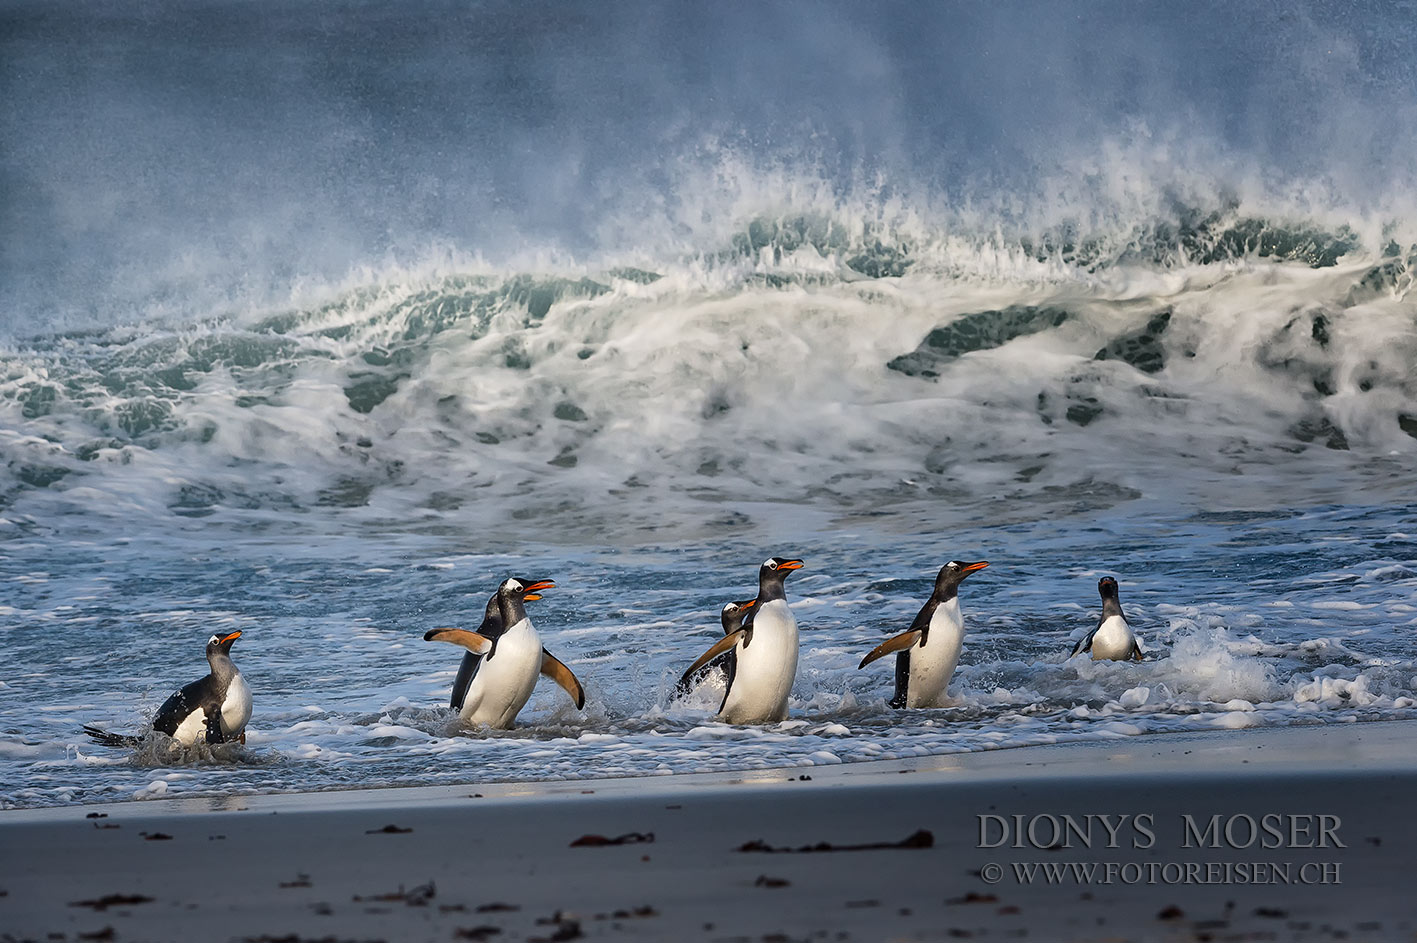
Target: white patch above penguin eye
[770, 563]
[514, 586]
[954, 564]
[213, 640]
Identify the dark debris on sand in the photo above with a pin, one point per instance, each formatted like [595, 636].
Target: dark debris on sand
[417, 897]
[112, 900]
[567, 928]
[600, 841]
[921, 839]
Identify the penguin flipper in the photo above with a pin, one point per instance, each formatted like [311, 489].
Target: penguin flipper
[472, 641]
[466, 672]
[213, 724]
[730, 672]
[897, 643]
[718, 648]
[552, 667]
[902, 680]
[691, 679]
[1084, 644]
[108, 739]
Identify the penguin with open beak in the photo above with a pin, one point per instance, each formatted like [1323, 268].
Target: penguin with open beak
[1113, 638]
[731, 617]
[510, 660]
[928, 651]
[763, 653]
[213, 709]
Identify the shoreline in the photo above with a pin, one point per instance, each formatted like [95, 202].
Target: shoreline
[794, 851]
[1174, 751]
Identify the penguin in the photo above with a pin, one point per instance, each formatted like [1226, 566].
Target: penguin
[928, 651]
[763, 653]
[491, 627]
[503, 679]
[214, 709]
[1113, 639]
[731, 616]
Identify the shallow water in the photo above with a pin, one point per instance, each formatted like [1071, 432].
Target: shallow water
[1285, 617]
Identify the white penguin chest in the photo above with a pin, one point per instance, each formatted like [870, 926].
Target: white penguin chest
[933, 663]
[1113, 639]
[236, 707]
[505, 679]
[766, 668]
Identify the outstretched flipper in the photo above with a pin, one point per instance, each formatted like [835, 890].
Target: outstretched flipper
[898, 643]
[111, 739]
[718, 648]
[471, 641]
[552, 667]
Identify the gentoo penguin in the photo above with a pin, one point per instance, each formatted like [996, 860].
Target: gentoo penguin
[214, 709]
[491, 627]
[928, 651]
[1113, 639]
[511, 660]
[763, 653]
[732, 617]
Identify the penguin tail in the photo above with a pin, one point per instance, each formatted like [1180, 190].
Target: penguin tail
[111, 739]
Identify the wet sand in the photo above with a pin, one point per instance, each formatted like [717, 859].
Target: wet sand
[1314, 841]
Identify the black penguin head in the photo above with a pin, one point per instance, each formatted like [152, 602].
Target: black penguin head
[1107, 587]
[778, 568]
[522, 589]
[222, 643]
[954, 572]
[733, 614]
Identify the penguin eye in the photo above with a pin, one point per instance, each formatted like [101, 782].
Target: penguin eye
[213, 640]
[953, 564]
[771, 563]
[514, 585]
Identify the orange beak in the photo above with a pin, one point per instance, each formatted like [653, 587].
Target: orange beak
[531, 591]
[746, 605]
[230, 638]
[790, 565]
[976, 566]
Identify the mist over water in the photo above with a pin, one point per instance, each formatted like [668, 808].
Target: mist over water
[185, 158]
[318, 320]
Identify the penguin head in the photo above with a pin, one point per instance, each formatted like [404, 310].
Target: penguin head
[954, 572]
[733, 614]
[523, 589]
[222, 643]
[1107, 587]
[778, 568]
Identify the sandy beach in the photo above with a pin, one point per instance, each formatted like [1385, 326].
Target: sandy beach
[1287, 834]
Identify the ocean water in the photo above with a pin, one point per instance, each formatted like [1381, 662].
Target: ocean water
[350, 363]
